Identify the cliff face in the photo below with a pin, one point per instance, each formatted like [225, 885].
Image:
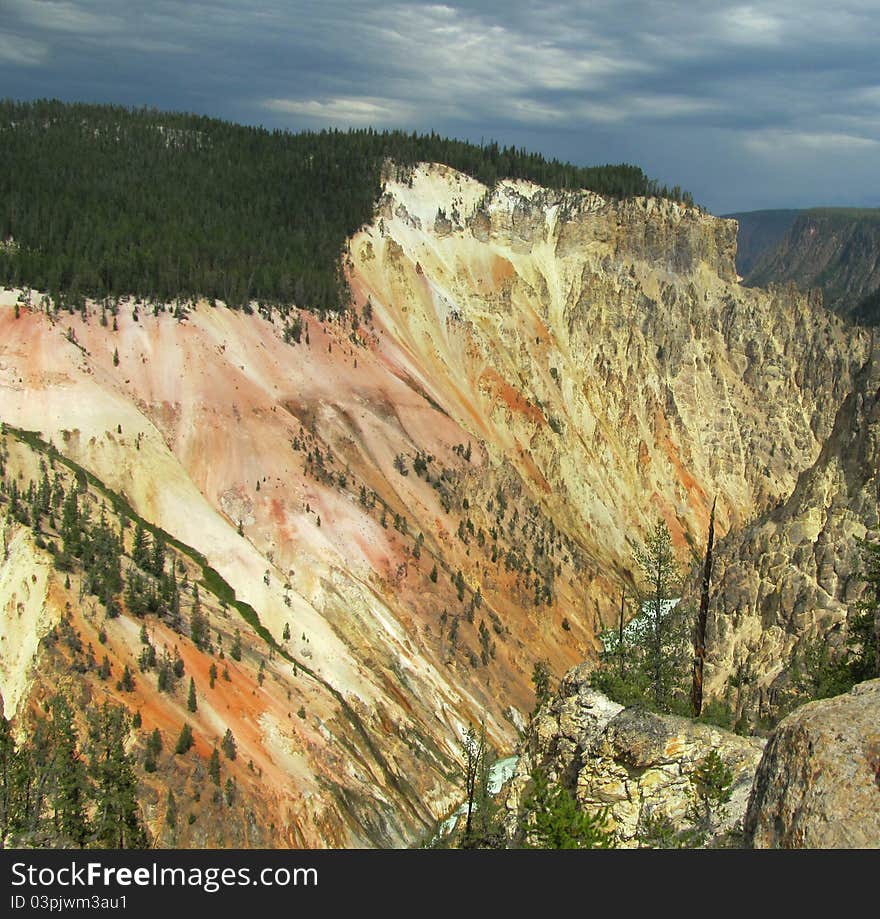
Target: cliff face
[439, 489]
[835, 250]
[791, 576]
[605, 348]
[758, 232]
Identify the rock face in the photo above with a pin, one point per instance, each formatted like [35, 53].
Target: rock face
[605, 350]
[818, 784]
[431, 493]
[791, 576]
[834, 249]
[758, 232]
[637, 763]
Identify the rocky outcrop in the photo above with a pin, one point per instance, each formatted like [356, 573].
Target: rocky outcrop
[565, 728]
[638, 764]
[818, 784]
[792, 575]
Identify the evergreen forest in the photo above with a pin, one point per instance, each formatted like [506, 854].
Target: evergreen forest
[106, 201]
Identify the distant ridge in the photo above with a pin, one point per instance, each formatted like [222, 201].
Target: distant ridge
[759, 231]
[835, 249]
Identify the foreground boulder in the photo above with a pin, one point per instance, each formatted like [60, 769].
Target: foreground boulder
[818, 784]
[639, 764]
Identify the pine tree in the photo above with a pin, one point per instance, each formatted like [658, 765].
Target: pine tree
[712, 784]
[171, 810]
[70, 792]
[214, 767]
[483, 829]
[458, 580]
[198, 623]
[191, 702]
[661, 573]
[117, 822]
[126, 683]
[235, 651]
[71, 525]
[655, 643]
[228, 745]
[8, 803]
[541, 680]
[863, 638]
[154, 748]
[155, 742]
[164, 674]
[184, 740]
[473, 748]
[552, 820]
[140, 552]
[157, 556]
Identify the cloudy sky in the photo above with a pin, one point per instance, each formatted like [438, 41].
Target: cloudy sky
[771, 104]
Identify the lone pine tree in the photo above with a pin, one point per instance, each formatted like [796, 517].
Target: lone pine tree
[646, 662]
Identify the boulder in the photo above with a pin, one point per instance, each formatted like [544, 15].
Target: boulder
[818, 784]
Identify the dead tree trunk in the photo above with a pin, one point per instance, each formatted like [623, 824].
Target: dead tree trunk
[702, 617]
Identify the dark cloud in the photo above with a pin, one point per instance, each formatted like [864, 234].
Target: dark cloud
[748, 105]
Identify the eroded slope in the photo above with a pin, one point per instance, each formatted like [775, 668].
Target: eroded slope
[442, 487]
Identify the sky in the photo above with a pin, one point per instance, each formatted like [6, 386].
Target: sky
[747, 106]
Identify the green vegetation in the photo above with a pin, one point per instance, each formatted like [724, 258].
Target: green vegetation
[552, 819]
[846, 214]
[712, 782]
[153, 749]
[828, 666]
[647, 662]
[185, 740]
[105, 201]
[211, 580]
[541, 675]
[228, 745]
[711, 788]
[482, 829]
[59, 787]
[867, 311]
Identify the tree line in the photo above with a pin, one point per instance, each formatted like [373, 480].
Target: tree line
[107, 201]
[60, 787]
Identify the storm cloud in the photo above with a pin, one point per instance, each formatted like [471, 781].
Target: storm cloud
[745, 105]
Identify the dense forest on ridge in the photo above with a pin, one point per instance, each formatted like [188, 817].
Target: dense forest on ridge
[103, 200]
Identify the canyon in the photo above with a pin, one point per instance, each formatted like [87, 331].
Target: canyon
[439, 488]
